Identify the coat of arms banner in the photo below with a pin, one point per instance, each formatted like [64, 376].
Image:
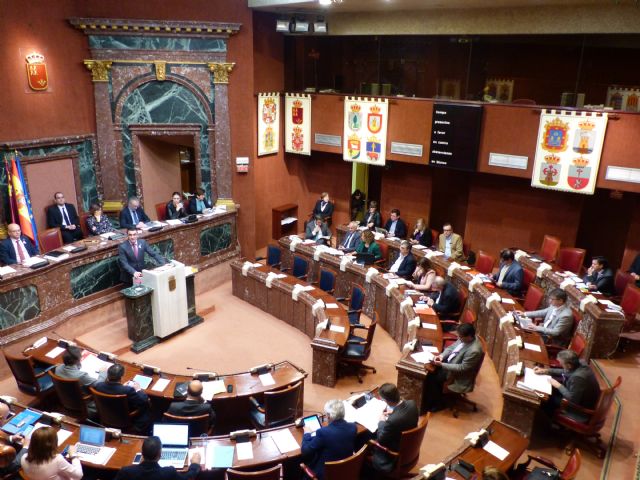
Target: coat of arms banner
[365, 130]
[568, 151]
[297, 123]
[268, 123]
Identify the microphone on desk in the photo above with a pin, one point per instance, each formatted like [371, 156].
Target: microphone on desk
[262, 369]
[203, 376]
[63, 342]
[37, 344]
[243, 435]
[148, 369]
[107, 356]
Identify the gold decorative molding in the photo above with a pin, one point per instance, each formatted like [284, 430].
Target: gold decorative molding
[161, 70]
[220, 71]
[99, 69]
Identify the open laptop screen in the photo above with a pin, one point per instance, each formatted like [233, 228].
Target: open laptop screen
[172, 434]
[92, 435]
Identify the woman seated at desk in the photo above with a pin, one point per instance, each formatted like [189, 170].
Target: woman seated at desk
[423, 277]
[42, 462]
[97, 222]
[369, 245]
[421, 235]
[372, 218]
[175, 208]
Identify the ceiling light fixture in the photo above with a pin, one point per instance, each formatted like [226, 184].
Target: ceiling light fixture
[282, 26]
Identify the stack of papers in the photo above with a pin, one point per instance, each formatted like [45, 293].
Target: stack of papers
[535, 382]
[209, 389]
[532, 346]
[284, 441]
[369, 415]
[160, 385]
[288, 220]
[336, 328]
[496, 450]
[429, 326]
[92, 364]
[244, 450]
[54, 352]
[6, 270]
[266, 379]
[423, 357]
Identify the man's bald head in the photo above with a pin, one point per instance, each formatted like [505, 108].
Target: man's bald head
[4, 411]
[195, 388]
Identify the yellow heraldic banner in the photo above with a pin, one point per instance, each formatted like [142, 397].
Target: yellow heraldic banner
[365, 130]
[297, 123]
[568, 150]
[268, 123]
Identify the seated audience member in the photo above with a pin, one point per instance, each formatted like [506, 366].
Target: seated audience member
[70, 369]
[446, 300]
[150, 469]
[9, 445]
[351, 238]
[493, 473]
[330, 443]
[510, 274]
[137, 399]
[395, 225]
[423, 277]
[450, 244]
[323, 207]
[368, 245]
[357, 205]
[372, 218]
[64, 216]
[575, 381]
[318, 231]
[599, 276]
[97, 222]
[456, 367]
[198, 203]
[194, 405]
[558, 319]
[42, 461]
[405, 264]
[133, 216]
[131, 256]
[401, 415]
[176, 207]
[16, 248]
[421, 234]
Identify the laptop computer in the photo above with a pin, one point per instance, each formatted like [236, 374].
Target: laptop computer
[91, 447]
[382, 230]
[365, 258]
[175, 443]
[525, 322]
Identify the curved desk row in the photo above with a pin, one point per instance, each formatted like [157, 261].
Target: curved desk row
[33, 301]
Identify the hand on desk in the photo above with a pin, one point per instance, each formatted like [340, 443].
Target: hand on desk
[540, 371]
[140, 225]
[137, 275]
[437, 360]
[70, 227]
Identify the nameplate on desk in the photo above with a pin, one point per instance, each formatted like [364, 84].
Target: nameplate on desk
[326, 139]
[508, 161]
[623, 174]
[409, 149]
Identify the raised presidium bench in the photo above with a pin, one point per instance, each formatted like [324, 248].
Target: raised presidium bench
[33, 301]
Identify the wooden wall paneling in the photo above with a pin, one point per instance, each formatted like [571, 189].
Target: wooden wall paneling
[327, 117]
[620, 149]
[449, 199]
[410, 122]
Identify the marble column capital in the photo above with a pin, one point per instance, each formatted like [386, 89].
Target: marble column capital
[221, 71]
[99, 69]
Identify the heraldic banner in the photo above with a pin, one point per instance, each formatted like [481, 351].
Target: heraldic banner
[568, 151]
[268, 123]
[365, 130]
[297, 123]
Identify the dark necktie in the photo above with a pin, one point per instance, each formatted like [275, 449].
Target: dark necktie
[134, 217]
[348, 240]
[65, 215]
[135, 249]
[21, 256]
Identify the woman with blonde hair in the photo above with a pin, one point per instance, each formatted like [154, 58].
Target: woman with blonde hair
[423, 277]
[42, 462]
[421, 235]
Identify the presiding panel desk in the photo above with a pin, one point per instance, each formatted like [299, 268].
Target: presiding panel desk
[35, 300]
[504, 342]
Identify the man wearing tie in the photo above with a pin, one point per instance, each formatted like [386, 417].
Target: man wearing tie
[133, 216]
[131, 257]
[405, 264]
[395, 225]
[16, 248]
[64, 216]
[351, 239]
[446, 299]
[558, 319]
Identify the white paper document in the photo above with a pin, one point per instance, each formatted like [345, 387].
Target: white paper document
[6, 270]
[160, 385]
[336, 328]
[63, 435]
[508, 301]
[369, 415]
[349, 412]
[32, 261]
[68, 248]
[266, 379]
[209, 389]
[203, 455]
[532, 346]
[331, 305]
[422, 357]
[496, 450]
[429, 326]
[244, 450]
[284, 441]
[533, 381]
[173, 222]
[93, 365]
[54, 352]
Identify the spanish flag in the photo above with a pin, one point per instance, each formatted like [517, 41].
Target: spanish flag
[21, 212]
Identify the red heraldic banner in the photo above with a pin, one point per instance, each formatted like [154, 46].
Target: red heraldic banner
[268, 123]
[568, 150]
[365, 130]
[297, 123]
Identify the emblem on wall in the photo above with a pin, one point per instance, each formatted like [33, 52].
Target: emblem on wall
[297, 125]
[555, 136]
[37, 71]
[371, 136]
[268, 124]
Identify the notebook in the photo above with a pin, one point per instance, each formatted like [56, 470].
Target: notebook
[175, 443]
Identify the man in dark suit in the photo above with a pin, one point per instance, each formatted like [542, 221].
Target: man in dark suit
[149, 469]
[318, 231]
[194, 405]
[64, 216]
[16, 248]
[395, 225]
[405, 264]
[137, 399]
[599, 276]
[131, 257]
[330, 443]
[457, 367]
[351, 239]
[133, 216]
[198, 202]
[446, 300]
[510, 273]
[403, 416]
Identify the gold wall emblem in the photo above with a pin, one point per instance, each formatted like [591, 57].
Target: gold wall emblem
[172, 283]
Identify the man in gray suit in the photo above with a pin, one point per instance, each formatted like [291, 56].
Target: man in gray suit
[558, 319]
[457, 367]
[131, 257]
[71, 369]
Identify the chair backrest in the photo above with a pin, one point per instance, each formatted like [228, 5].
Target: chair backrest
[527, 278]
[630, 302]
[70, 395]
[274, 255]
[273, 473]
[621, 281]
[370, 332]
[327, 281]
[198, 424]
[50, 239]
[300, 267]
[597, 420]
[550, 247]
[161, 211]
[384, 250]
[113, 410]
[410, 442]
[533, 298]
[571, 259]
[22, 370]
[485, 262]
[468, 316]
[434, 237]
[281, 404]
[349, 467]
[357, 297]
[578, 343]
[463, 294]
[83, 224]
[571, 469]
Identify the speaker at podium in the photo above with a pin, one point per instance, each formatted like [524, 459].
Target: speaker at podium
[169, 298]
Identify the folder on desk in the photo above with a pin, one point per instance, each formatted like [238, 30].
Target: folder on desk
[21, 422]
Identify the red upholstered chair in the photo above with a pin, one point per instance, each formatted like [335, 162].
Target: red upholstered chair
[621, 281]
[630, 304]
[585, 422]
[571, 259]
[533, 298]
[435, 236]
[50, 239]
[83, 224]
[161, 211]
[577, 344]
[569, 472]
[550, 247]
[450, 337]
[384, 250]
[485, 263]
[528, 278]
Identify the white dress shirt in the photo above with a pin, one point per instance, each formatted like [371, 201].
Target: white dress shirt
[394, 268]
[18, 244]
